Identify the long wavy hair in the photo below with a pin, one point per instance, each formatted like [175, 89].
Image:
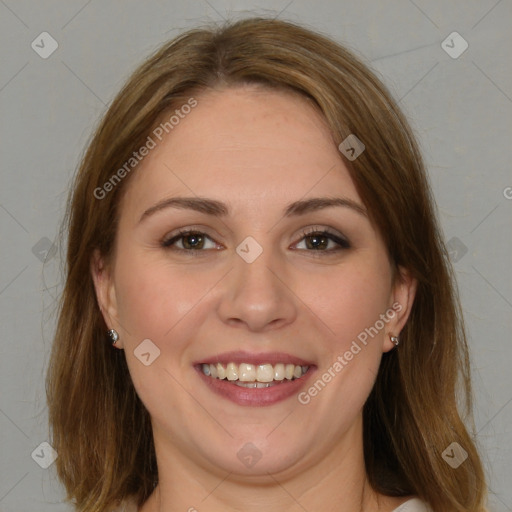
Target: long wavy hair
[421, 401]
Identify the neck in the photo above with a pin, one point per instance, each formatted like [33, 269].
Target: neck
[270, 495]
[334, 481]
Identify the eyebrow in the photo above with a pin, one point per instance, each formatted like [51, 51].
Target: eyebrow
[317, 203]
[198, 204]
[219, 209]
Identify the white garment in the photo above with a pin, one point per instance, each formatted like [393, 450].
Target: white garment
[128, 506]
[412, 505]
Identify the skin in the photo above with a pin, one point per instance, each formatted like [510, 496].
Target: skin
[257, 151]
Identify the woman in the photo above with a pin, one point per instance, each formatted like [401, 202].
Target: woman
[253, 229]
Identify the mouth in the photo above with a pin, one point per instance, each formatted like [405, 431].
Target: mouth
[257, 380]
[254, 376]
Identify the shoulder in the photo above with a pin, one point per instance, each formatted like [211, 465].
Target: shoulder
[413, 505]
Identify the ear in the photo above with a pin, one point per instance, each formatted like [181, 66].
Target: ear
[105, 293]
[402, 299]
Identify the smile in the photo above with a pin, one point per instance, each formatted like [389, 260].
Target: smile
[254, 376]
[255, 379]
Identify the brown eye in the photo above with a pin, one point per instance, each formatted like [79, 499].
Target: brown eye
[317, 242]
[322, 241]
[189, 241]
[193, 241]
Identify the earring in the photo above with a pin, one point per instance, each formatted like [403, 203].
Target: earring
[112, 334]
[395, 340]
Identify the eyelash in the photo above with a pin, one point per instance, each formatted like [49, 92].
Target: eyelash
[182, 233]
[342, 242]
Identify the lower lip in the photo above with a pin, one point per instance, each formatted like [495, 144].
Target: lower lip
[255, 396]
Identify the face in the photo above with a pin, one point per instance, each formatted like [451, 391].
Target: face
[244, 251]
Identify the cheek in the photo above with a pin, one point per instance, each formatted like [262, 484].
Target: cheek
[157, 302]
[349, 301]
[350, 305]
[155, 297]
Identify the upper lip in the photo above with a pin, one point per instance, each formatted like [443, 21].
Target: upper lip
[239, 357]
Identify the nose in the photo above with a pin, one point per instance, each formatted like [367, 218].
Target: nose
[257, 295]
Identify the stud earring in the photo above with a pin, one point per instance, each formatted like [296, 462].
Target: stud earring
[395, 340]
[113, 335]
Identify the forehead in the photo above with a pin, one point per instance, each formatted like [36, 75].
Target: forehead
[250, 142]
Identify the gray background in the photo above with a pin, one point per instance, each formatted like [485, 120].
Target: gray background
[460, 108]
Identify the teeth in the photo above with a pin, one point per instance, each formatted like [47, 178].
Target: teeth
[254, 384]
[254, 376]
[246, 372]
[279, 371]
[265, 373]
[221, 371]
[232, 371]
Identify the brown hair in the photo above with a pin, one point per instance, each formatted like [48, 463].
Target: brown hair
[100, 428]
